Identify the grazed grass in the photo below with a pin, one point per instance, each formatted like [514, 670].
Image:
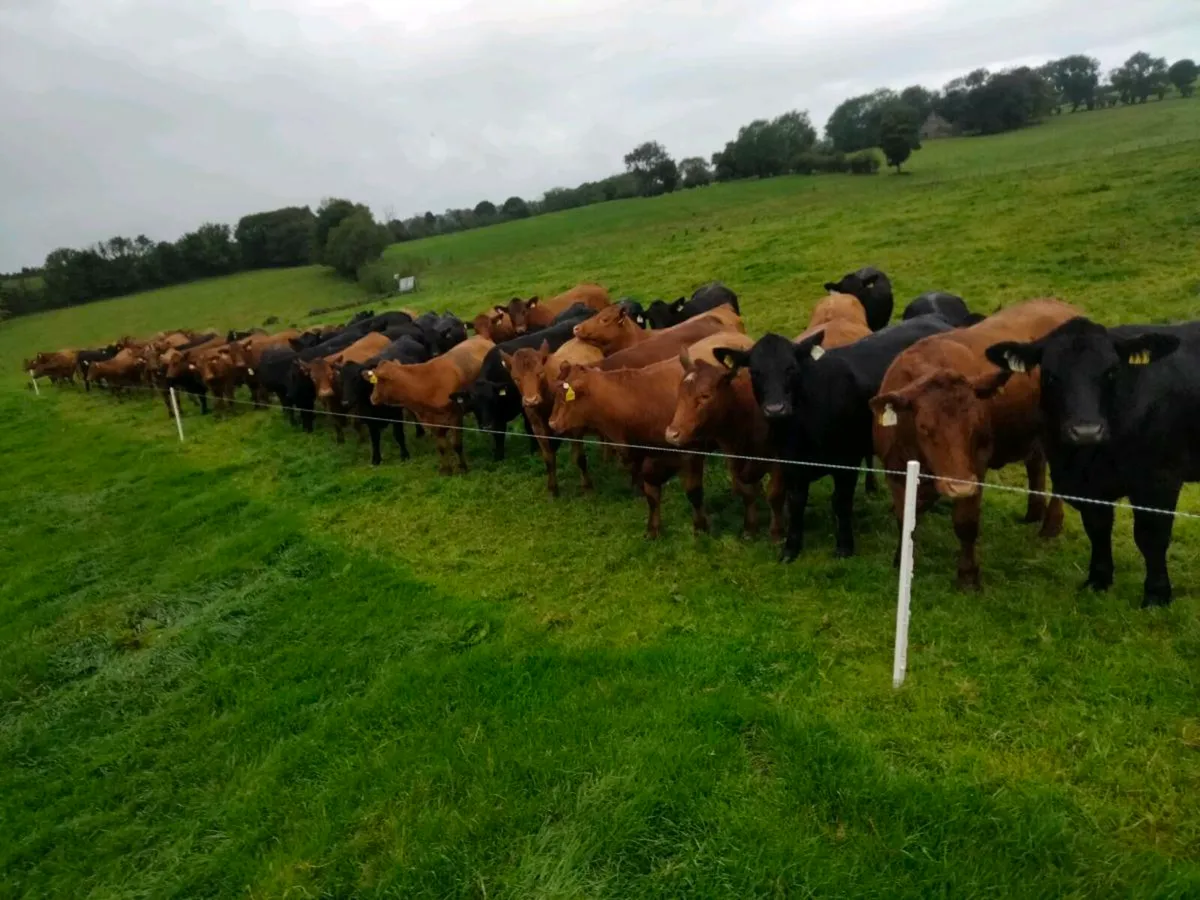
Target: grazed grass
[252, 665]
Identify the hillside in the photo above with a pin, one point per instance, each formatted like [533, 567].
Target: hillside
[252, 664]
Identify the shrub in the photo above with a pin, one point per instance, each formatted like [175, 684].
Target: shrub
[864, 162]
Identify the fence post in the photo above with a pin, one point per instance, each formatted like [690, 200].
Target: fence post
[175, 410]
[33, 378]
[904, 597]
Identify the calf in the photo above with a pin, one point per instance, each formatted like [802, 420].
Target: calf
[633, 407]
[533, 314]
[428, 389]
[816, 405]
[945, 405]
[325, 374]
[356, 394]
[950, 307]
[661, 314]
[496, 326]
[119, 372]
[1121, 418]
[59, 366]
[85, 358]
[220, 374]
[874, 291]
[716, 406]
[614, 332]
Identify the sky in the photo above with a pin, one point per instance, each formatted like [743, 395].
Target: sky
[152, 116]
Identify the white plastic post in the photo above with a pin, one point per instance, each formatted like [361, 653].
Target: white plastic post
[34, 380]
[904, 598]
[175, 410]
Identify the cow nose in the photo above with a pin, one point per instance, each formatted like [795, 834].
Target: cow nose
[575, 331]
[1086, 433]
[531, 401]
[774, 410]
[672, 436]
[956, 489]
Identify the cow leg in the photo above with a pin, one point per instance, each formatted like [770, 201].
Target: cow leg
[745, 486]
[375, 429]
[418, 429]
[441, 439]
[844, 484]
[870, 484]
[966, 529]
[579, 455]
[1152, 534]
[202, 396]
[654, 476]
[776, 499]
[693, 486]
[1049, 514]
[498, 437]
[1098, 523]
[339, 427]
[797, 502]
[529, 434]
[398, 434]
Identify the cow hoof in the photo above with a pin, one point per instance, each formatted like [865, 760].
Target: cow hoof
[376, 462]
[1152, 600]
[1095, 584]
[967, 583]
[843, 552]
[788, 554]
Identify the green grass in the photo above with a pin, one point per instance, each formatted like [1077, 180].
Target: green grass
[250, 665]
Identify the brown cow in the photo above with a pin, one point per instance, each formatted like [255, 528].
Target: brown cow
[325, 373]
[633, 407]
[179, 362]
[496, 326]
[220, 373]
[427, 391]
[59, 366]
[842, 318]
[121, 372]
[627, 346]
[944, 404]
[716, 405]
[532, 314]
[247, 353]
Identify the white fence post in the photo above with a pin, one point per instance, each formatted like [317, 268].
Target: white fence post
[33, 378]
[904, 598]
[175, 410]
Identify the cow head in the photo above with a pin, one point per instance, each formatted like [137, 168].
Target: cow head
[635, 310]
[492, 402]
[776, 368]
[174, 363]
[390, 383]
[324, 376]
[607, 328]
[570, 391]
[661, 314]
[704, 395]
[516, 309]
[449, 332]
[496, 326]
[526, 367]
[217, 365]
[942, 419]
[1083, 371]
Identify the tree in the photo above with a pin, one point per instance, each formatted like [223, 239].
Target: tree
[899, 133]
[515, 208]
[1141, 76]
[354, 242]
[281, 237]
[653, 168]
[920, 99]
[485, 210]
[1075, 78]
[695, 172]
[1183, 74]
[208, 251]
[330, 214]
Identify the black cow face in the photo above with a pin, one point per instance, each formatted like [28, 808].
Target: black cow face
[491, 403]
[661, 314]
[776, 365]
[635, 311]
[1082, 370]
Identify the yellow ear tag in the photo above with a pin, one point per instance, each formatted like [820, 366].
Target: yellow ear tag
[570, 394]
[729, 364]
[372, 377]
[503, 392]
[887, 418]
[1139, 359]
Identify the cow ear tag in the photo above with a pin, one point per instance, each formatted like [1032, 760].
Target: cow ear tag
[887, 418]
[1015, 363]
[1139, 359]
[570, 394]
[503, 392]
[729, 364]
[817, 351]
[372, 377]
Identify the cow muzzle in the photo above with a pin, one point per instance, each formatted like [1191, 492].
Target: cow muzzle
[1085, 433]
[673, 437]
[957, 489]
[776, 410]
[531, 401]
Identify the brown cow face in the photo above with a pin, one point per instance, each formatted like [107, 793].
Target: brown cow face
[527, 368]
[324, 378]
[173, 363]
[944, 419]
[515, 310]
[216, 366]
[570, 399]
[703, 394]
[386, 380]
[605, 327]
[496, 326]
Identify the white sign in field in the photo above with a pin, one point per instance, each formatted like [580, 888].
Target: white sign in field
[406, 285]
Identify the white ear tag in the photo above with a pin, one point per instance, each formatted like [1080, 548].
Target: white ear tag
[1015, 363]
[503, 392]
[887, 418]
[817, 351]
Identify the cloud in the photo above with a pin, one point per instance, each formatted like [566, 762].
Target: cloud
[134, 116]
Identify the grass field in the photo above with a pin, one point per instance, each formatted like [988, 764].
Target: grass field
[250, 665]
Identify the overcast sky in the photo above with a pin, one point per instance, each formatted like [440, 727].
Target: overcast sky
[152, 116]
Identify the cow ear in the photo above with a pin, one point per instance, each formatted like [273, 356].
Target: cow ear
[685, 359]
[678, 305]
[885, 406]
[870, 279]
[506, 361]
[531, 303]
[831, 287]
[544, 350]
[732, 359]
[990, 383]
[1015, 357]
[1145, 348]
[810, 347]
[461, 399]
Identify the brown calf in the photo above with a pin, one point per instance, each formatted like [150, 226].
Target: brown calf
[427, 390]
[633, 407]
[122, 371]
[220, 373]
[944, 404]
[496, 326]
[59, 366]
[325, 373]
[532, 314]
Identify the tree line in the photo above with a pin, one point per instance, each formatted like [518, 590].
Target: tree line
[346, 236]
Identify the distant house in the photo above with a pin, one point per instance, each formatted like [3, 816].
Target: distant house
[936, 127]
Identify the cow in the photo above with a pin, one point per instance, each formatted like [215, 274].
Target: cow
[945, 405]
[1121, 418]
[614, 332]
[494, 398]
[950, 307]
[496, 325]
[533, 314]
[59, 366]
[356, 394]
[221, 375]
[85, 358]
[246, 354]
[299, 388]
[175, 368]
[325, 375]
[119, 372]
[816, 405]
[530, 371]
[873, 289]
[633, 407]
[705, 298]
[427, 390]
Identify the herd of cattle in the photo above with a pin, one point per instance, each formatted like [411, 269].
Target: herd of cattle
[1114, 411]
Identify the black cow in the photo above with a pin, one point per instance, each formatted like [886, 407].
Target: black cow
[661, 314]
[239, 335]
[386, 320]
[279, 373]
[494, 398]
[634, 310]
[950, 307]
[873, 290]
[356, 394]
[816, 406]
[85, 358]
[1121, 414]
[364, 316]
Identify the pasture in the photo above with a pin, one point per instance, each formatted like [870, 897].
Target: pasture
[251, 664]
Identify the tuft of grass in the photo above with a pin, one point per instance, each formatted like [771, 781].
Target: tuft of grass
[251, 664]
